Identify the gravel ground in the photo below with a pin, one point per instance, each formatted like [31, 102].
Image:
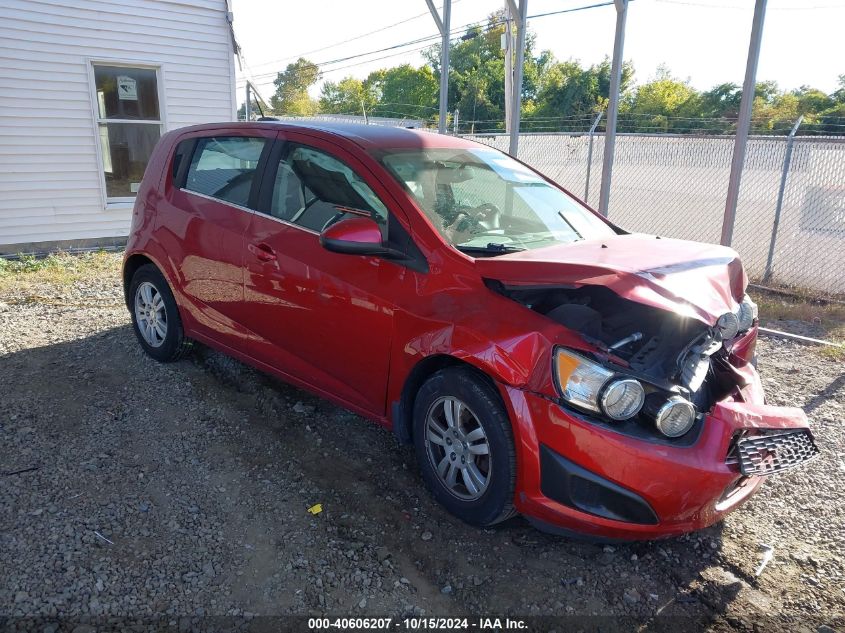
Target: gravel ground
[151, 490]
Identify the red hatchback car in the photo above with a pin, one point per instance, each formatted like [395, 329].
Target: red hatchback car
[541, 359]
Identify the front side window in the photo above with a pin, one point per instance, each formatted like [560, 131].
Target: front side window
[484, 202]
[223, 167]
[129, 125]
[313, 189]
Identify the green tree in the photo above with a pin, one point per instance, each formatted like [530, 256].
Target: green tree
[292, 84]
[570, 95]
[403, 91]
[477, 74]
[721, 101]
[812, 102]
[832, 120]
[839, 95]
[663, 104]
[348, 96]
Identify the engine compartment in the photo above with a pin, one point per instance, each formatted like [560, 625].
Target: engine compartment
[672, 352]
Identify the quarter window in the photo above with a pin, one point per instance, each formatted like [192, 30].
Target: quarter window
[224, 167]
[312, 189]
[129, 125]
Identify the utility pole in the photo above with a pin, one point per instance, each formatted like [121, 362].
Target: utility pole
[520, 14]
[444, 25]
[613, 105]
[507, 46]
[744, 123]
[474, 101]
[247, 106]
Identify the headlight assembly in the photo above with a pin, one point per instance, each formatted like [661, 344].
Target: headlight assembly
[727, 326]
[747, 314]
[590, 386]
[622, 399]
[672, 416]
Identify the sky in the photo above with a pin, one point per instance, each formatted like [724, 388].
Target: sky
[703, 41]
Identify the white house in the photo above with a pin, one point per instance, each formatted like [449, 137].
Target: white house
[86, 89]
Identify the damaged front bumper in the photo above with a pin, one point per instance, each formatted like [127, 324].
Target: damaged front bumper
[576, 476]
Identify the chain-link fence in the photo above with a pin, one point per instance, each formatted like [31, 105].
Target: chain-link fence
[676, 185]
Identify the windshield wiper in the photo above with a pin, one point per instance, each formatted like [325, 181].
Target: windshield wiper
[569, 224]
[493, 248]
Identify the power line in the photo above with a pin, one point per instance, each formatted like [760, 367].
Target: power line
[428, 38]
[367, 61]
[432, 38]
[748, 7]
[351, 39]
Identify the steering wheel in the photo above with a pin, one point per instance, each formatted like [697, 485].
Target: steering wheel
[488, 216]
[332, 220]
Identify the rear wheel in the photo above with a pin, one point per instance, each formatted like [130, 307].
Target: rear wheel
[155, 316]
[464, 445]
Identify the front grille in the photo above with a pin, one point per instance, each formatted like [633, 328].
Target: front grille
[773, 452]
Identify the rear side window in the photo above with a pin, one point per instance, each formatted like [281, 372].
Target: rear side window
[178, 156]
[224, 167]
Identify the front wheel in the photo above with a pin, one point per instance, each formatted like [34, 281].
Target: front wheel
[464, 445]
[155, 316]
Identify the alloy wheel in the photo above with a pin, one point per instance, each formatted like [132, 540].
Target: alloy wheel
[150, 314]
[458, 448]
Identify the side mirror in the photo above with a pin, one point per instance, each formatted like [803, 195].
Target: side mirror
[355, 236]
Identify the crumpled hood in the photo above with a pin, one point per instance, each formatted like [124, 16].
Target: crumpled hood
[693, 279]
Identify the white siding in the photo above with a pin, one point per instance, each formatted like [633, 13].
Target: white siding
[50, 175]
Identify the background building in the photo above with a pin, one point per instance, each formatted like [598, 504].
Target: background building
[87, 87]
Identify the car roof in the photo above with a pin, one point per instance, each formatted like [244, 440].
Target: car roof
[366, 136]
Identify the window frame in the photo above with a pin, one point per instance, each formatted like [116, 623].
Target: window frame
[179, 181]
[118, 202]
[285, 146]
[398, 236]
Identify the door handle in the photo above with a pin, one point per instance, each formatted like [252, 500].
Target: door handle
[262, 252]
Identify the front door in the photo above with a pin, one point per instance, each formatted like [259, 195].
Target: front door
[324, 318]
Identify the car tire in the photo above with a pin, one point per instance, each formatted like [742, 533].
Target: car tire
[477, 404]
[155, 316]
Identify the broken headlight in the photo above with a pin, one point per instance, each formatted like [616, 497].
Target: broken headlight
[747, 313]
[740, 320]
[673, 416]
[590, 386]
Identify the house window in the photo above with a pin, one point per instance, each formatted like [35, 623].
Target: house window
[129, 124]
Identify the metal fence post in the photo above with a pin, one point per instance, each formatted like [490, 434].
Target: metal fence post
[508, 48]
[444, 26]
[521, 14]
[743, 124]
[775, 225]
[613, 106]
[590, 155]
[247, 106]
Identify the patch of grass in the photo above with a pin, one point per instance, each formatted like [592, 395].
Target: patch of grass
[833, 353]
[774, 307]
[836, 334]
[828, 316]
[58, 269]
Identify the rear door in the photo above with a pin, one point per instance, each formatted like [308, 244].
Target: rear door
[323, 318]
[206, 212]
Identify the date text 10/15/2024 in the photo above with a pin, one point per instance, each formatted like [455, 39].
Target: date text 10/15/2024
[417, 624]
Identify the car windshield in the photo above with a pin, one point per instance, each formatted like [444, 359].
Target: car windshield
[485, 203]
